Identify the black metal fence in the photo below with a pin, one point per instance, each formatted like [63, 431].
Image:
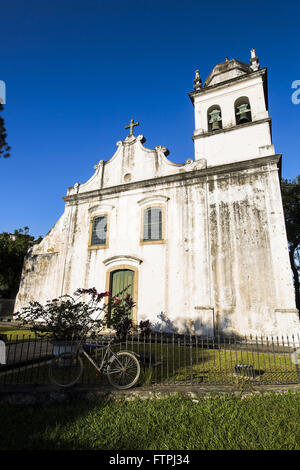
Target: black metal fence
[168, 359]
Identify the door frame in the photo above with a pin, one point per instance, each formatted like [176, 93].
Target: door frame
[135, 285]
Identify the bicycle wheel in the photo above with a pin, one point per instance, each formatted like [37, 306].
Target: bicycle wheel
[66, 369]
[124, 370]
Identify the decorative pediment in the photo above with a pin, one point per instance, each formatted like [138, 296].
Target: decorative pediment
[123, 259]
[153, 199]
[133, 162]
[101, 207]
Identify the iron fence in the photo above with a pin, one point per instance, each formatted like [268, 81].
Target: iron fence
[169, 359]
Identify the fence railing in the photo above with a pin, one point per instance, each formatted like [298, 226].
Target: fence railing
[169, 359]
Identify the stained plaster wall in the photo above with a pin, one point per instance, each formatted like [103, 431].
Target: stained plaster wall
[224, 261]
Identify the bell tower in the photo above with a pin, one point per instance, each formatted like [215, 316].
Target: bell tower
[232, 122]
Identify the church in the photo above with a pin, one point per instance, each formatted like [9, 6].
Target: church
[201, 246]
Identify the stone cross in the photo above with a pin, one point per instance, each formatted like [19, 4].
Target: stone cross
[131, 126]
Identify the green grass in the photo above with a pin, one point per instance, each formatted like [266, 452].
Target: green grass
[255, 422]
[14, 333]
[187, 365]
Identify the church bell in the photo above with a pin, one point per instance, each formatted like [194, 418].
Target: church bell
[215, 119]
[243, 113]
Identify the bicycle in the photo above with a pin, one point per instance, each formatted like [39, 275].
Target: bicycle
[122, 368]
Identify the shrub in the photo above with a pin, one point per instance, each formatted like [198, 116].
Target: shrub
[66, 318]
[119, 313]
[71, 318]
[145, 328]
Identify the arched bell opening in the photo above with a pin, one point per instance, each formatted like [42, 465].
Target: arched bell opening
[242, 110]
[214, 118]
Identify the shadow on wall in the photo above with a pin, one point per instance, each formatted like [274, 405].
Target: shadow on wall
[181, 325]
[193, 326]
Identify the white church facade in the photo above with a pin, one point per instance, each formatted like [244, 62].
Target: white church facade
[203, 241]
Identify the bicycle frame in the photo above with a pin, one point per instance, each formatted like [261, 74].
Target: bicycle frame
[108, 352]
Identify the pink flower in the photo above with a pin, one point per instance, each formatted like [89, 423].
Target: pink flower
[103, 294]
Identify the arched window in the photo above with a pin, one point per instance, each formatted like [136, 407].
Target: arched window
[153, 219]
[152, 224]
[98, 231]
[214, 118]
[242, 110]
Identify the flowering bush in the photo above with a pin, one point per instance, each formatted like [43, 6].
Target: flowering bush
[67, 317]
[70, 318]
[119, 313]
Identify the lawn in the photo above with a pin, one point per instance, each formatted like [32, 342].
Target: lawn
[199, 365]
[171, 423]
[14, 333]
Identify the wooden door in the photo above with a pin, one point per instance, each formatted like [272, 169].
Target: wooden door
[121, 283]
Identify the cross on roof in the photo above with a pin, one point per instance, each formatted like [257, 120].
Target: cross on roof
[131, 126]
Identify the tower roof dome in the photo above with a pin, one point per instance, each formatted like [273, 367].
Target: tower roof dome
[226, 71]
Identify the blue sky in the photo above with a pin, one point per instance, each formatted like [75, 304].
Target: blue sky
[76, 72]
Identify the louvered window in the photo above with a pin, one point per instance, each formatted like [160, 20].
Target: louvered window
[152, 224]
[99, 230]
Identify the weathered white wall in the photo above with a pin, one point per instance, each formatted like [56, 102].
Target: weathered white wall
[223, 263]
[250, 263]
[218, 149]
[224, 258]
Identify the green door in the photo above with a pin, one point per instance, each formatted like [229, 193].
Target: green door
[121, 283]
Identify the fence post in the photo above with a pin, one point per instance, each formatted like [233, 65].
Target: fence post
[191, 360]
[296, 360]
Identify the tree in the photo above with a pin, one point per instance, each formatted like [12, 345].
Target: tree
[13, 249]
[4, 147]
[290, 190]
